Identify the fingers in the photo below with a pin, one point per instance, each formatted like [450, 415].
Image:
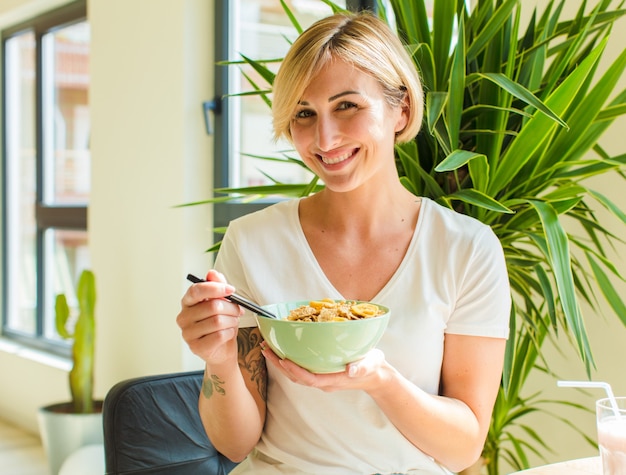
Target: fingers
[369, 364]
[357, 375]
[210, 329]
[215, 287]
[206, 299]
[208, 317]
[212, 335]
[215, 276]
[208, 322]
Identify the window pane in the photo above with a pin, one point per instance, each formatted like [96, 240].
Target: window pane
[67, 255]
[20, 182]
[66, 125]
[262, 30]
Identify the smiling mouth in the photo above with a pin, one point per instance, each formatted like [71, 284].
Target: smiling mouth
[337, 159]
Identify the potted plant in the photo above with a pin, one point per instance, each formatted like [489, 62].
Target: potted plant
[513, 120]
[67, 426]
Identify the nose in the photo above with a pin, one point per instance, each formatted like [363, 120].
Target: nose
[327, 132]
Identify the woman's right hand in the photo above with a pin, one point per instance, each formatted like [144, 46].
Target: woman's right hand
[208, 322]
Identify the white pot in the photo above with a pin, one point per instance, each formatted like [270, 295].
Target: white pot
[63, 432]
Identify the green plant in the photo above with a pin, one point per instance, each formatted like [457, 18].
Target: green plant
[511, 133]
[512, 116]
[83, 334]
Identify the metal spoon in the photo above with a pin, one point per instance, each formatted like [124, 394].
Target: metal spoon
[238, 299]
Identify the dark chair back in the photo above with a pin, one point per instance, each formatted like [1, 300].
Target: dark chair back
[152, 426]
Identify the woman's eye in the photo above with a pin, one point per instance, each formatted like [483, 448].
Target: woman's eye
[303, 114]
[346, 106]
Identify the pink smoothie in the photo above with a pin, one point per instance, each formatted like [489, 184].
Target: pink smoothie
[612, 442]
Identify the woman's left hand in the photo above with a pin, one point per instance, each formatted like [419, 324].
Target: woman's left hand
[366, 373]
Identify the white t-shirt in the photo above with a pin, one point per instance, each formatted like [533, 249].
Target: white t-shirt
[453, 279]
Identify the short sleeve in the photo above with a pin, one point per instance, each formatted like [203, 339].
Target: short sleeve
[484, 301]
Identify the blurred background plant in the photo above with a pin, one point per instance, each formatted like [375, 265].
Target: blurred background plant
[514, 114]
[82, 332]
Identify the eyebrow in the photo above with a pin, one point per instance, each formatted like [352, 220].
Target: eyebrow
[337, 96]
[332, 98]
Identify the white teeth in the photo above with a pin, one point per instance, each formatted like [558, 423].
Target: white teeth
[332, 161]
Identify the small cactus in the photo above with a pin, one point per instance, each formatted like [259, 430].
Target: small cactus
[81, 375]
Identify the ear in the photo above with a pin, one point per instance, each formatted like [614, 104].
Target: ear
[403, 117]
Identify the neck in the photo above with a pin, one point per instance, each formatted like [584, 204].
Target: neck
[361, 210]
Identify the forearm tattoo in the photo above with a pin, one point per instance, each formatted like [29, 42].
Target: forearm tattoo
[251, 360]
[211, 385]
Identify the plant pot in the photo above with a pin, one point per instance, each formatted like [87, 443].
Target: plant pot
[63, 432]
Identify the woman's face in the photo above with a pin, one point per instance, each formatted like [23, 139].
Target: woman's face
[344, 129]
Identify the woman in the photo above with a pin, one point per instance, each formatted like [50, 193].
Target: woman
[422, 401]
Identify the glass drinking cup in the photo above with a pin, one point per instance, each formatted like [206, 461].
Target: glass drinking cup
[612, 435]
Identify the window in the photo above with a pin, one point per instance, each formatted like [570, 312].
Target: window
[46, 169]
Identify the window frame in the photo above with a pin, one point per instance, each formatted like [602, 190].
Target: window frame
[47, 216]
[223, 213]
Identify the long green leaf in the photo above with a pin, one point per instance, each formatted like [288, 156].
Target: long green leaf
[425, 63]
[558, 253]
[257, 90]
[456, 88]
[518, 91]
[608, 204]
[263, 71]
[443, 23]
[456, 160]
[476, 198]
[611, 112]
[609, 292]
[275, 189]
[291, 17]
[435, 104]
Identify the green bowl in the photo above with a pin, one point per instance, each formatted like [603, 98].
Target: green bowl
[320, 347]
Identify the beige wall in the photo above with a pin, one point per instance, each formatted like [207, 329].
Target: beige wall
[151, 69]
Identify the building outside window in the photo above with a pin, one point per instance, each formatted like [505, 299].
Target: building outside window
[46, 169]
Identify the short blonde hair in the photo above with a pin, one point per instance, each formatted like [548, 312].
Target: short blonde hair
[362, 40]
